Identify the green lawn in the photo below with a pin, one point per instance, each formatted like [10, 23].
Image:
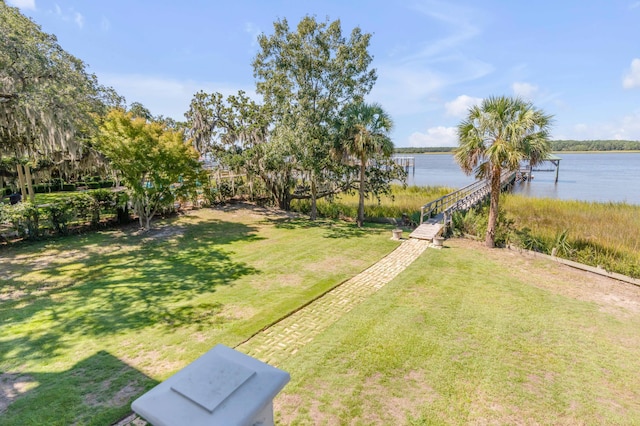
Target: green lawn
[89, 322]
[464, 335]
[471, 336]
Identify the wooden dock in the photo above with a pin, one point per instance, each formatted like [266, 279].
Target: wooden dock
[437, 214]
[407, 163]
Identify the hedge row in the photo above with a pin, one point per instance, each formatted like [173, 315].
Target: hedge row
[83, 209]
[55, 186]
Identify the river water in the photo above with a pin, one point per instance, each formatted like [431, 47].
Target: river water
[601, 177]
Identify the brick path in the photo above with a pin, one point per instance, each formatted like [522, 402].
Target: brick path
[286, 337]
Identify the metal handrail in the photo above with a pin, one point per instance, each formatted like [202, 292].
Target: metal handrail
[466, 196]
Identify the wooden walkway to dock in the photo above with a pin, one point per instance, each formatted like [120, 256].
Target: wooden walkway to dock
[437, 214]
[430, 229]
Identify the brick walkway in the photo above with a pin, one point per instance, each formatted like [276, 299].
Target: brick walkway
[286, 337]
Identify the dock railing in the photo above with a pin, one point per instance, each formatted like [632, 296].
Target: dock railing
[462, 199]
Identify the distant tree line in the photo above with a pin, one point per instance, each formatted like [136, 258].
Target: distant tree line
[423, 150]
[559, 145]
[596, 145]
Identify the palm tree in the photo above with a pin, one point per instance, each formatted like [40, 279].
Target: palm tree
[365, 135]
[497, 135]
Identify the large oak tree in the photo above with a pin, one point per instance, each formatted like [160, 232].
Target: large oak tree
[306, 76]
[47, 98]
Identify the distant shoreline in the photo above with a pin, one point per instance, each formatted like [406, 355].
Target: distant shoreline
[557, 146]
[555, 152]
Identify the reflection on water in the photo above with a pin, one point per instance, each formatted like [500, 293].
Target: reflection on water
[601, 177]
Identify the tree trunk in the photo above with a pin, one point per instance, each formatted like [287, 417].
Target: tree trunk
[360, 218]
[284, 201]
[490, 240]
[314, 208]
[32, 194]
[21, 185]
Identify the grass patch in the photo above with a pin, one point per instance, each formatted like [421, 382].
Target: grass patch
[87, 323]
[469, 336]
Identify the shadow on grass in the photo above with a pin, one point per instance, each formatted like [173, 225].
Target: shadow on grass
[131, 282]
[97, 390]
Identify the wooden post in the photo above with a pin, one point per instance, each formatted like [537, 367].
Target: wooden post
[557, 168]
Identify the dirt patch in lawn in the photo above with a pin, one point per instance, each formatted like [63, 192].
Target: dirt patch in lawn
[12, 385]
[612, 296]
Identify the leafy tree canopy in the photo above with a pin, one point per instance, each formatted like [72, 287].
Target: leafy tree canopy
[155, 162]
[46, 96]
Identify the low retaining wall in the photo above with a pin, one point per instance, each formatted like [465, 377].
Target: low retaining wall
[581, 266]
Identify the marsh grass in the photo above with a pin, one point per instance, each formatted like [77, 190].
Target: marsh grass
[597, 234]
[402, 200]
[605, 234]
[88, 323]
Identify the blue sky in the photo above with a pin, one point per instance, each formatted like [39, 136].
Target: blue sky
[576, 59]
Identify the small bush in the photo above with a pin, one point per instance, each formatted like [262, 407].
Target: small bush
[68, 187]
[60, 213]
[24, 217]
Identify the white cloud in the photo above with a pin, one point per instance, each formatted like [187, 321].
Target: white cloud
[23, 4]
[460, 20]
[435, 136]
[632, 79]
[105, 24]
[413, 83]
[251, 29]
[460, 105]
[69, 16]
[626, 127]
[79, 19]
[525, 90]
[164, 96]
[405, 90]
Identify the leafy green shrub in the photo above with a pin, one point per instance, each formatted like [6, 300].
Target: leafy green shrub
[103, 199]
[68, 187]
[86, 207]
[24, 218]
[525, 239]
[60, 213]
[475, 222]
[93, 185]
[107, 184]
